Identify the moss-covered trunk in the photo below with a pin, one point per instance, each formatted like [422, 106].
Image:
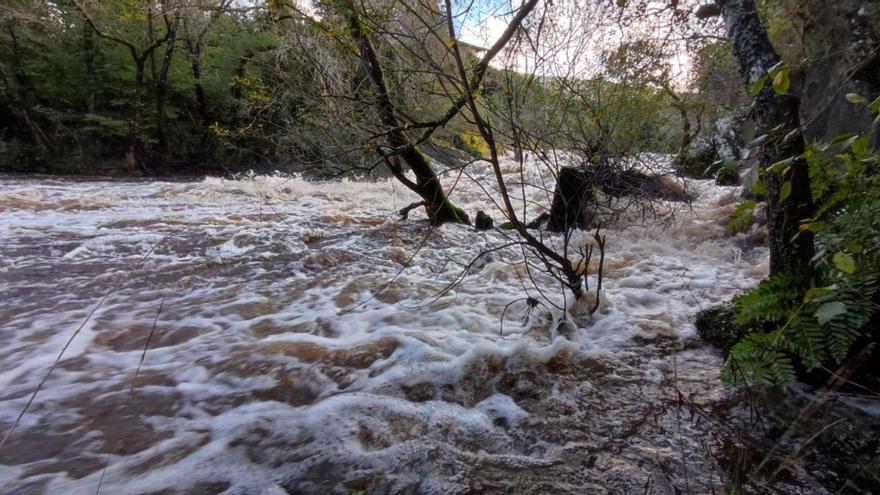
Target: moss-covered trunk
[777, 116]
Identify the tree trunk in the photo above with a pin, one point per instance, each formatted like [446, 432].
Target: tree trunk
[195, 49]
[776, 116]
[236, 91]
[19, 105]
[89, 61]
[195, 55]
[687, 137]
[162, 90]
[427, 185]
[570, 200]
[134, 156]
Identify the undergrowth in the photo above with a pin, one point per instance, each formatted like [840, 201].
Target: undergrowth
[815, 319]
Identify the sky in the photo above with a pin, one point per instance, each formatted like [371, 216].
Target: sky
[484, 23]
[583, 29]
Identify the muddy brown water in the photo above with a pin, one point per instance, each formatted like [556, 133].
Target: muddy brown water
[282, 362]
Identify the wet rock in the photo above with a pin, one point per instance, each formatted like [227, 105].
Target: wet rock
[699, 161]
[816, 432]
[420, 392]
[573, 199]
[715, 326]
[749, 175]
[727, 177]
[536, 223]
[483, 221]
[725, 140]
[570, 199]
[566, 328]
[482, 260]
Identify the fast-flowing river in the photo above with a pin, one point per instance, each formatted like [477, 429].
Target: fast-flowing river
[241, 336]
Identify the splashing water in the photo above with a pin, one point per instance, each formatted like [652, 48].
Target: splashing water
[277, 363]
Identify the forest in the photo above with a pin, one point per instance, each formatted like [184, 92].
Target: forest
[440, 246]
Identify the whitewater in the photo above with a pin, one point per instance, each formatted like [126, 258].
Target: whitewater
[302, 338]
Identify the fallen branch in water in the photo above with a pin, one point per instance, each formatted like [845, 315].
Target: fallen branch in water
[404, 212]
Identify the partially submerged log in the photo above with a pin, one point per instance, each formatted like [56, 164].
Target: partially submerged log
[574, 198]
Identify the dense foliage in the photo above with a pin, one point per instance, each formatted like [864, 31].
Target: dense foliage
[814, 319]
[146, 87]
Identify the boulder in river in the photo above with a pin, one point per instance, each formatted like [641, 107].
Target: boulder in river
[483, 221]
[573, 199]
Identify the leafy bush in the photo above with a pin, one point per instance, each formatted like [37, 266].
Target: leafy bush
[474, 144]
[742, 217]
[815, 318]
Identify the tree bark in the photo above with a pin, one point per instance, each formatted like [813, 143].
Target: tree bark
[89, 61]
[134, 156]
[777, 116]
[162, 89]
[570, 200]
[195, 54]
[427, 185]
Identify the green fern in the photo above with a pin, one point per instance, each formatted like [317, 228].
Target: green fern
[742, 218]
[817, 320]
[756, 360]
[772, 301]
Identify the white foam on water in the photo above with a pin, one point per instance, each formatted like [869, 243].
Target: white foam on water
[278, 361]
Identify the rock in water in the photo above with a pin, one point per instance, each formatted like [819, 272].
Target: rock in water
[574, 200]
[573, 192]
[566, 328]
[715, 325]
[483, 221]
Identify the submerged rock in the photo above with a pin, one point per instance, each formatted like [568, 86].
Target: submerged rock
[715, 326]
[483, 221]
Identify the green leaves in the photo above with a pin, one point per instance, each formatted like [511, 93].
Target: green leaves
[758, 86]
[780, 78]
[781, 167]
[742, 218]
[855, 98]
[860, 146]
[817, 292]
[786, 191]
[844, 262]
[816, 318]
[756, 360]
[782, 81]
[829, 311]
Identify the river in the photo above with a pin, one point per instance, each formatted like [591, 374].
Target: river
[300, 338]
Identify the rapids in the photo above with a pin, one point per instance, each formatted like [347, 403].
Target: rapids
[280, 360]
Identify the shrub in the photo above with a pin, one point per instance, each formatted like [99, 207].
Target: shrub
[814, 319]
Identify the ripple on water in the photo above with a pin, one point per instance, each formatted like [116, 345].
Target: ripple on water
[279, 362]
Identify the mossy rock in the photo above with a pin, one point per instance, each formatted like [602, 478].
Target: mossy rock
[715, 326]
[727, 177]
[698, 163]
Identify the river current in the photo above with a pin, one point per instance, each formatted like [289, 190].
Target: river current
[269, 334]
